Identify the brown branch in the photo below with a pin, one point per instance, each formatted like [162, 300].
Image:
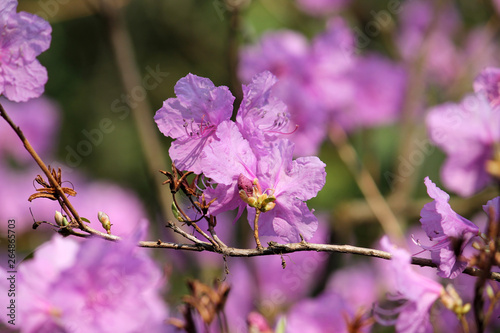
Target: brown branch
[44, 168]
[279, 249]
[274, 249]
[190, 223]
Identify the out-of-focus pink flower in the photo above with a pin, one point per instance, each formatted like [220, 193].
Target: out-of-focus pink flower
[324, 81]
[488, 83]
[257, 323]
[346, 302]
[322, 314]
[451, 231]
[416, 293]
[441, 57]
[321, 7]
[24, 36]
[357, 285]
[307, 74]
[91, 286]
[496, 3]
[242, 297]
[123, 207]
[38, 119]
[478, 52]
[466, 132]
[380, 89]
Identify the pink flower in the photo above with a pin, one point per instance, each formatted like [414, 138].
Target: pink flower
[229, 160]
[323, 82]
[192, 118]
[418, 36]
[38, 119]
[287, 54]
[467, 133]
[92, 286]
[24, 36]
[451, 231]
[415, 292]
[380, 88]
[322, 314]
[488, 83]
[262, 117]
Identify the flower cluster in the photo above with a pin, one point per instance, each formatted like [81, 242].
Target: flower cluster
[326, 78]
[249, 160]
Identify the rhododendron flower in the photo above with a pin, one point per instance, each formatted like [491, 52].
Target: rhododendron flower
[488, 83]
[24, 36]
[90, 286]
[325, 313]
[451, 231]
[380, 89]
[192, 118]
[262, 116]
[467, 133]
[230, 161]
[308, 73]
[344, 305]
[416, 293]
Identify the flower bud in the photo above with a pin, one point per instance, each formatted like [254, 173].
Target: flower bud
[251, 193]
[106, 223]
[245, 185]
[60, 219]
[268, 204]
[257, 323]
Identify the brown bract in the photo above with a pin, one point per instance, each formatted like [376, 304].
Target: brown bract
[49, 191]
[207, 301]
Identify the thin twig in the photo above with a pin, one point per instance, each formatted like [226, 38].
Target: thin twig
[486, 260]
[191, 223]
[279, 249]
[44, 168]
[256, 229]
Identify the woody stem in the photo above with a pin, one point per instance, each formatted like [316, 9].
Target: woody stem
[256, 229]
[44, 168]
